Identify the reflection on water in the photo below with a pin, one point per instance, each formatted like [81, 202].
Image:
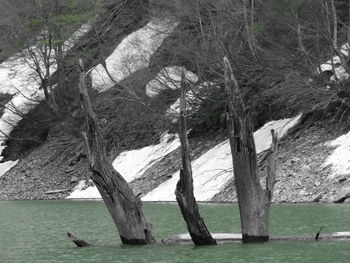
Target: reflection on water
[35, 231]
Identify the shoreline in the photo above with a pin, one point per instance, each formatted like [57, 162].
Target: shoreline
[171, 202]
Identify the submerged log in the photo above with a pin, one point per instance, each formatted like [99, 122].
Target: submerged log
[77, 241]
[254, 201]
[225, 238]
[200, 235]
[124, 207]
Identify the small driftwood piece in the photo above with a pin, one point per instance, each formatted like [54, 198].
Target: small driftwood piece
[77, 241]
[318, 233]
[57, 191]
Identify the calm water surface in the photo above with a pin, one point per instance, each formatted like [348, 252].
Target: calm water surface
[35, 231]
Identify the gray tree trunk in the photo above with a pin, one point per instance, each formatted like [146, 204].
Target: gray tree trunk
[48, 97]
[124, 207]
[254, 201]
[184, 189]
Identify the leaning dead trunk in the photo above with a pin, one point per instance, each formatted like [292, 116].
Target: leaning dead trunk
[254, 201]
[124, 207]
[184, 189]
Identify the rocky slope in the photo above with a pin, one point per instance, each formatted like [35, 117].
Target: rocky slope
[52, 162]
[302, 173]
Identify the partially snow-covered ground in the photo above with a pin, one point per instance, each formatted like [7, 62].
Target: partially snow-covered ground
[132, 164]
[132, 54]
[211, 171]
[339, 160]
[4, 167]
[82, 191]
[18, 78]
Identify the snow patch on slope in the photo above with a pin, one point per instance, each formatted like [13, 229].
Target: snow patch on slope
[132, 164]
[340, 158]
[4, 167]
[18, 78]
[169, 78]
[213, 170]
[82, 192]
[132, 54]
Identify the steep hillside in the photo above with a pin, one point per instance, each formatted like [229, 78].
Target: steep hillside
[145, 48]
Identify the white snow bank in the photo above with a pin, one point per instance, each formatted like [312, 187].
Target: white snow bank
[83, 192]
[76, 36]
[263, 135]
[132, 54]
[132, 164]
[340, 158]
[213, 170]
[169, 78]
[4, 167]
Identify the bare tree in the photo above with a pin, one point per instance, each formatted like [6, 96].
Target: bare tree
[41, 31]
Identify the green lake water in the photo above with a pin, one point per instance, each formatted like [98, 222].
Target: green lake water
[35, 231]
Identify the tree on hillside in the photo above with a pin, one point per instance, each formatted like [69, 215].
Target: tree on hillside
[42, 32]
[337, 33]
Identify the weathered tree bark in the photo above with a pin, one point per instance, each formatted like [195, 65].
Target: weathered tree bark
[124, 207]
[184, 189]
[77, 241]
[254, 201]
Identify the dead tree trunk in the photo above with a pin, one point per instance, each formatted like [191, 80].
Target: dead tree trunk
[124, 207]
[184, 189]
[254, 201]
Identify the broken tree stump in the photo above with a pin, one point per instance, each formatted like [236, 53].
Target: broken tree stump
[254, 201]
[184, 189]
[124, 207]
